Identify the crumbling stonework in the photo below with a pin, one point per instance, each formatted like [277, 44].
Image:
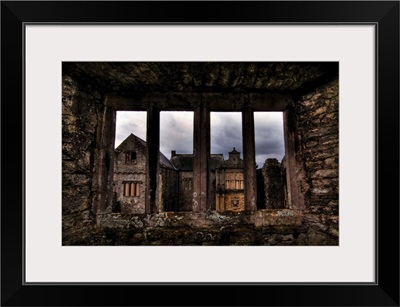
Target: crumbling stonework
[318, 122]
[318, 133]
[81, 109]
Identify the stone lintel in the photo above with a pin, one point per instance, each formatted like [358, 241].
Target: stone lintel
[163, 101]
[175, 101]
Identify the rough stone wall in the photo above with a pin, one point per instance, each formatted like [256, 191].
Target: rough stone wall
[169, 186]
[318, 132]
[185, 191]
[273, 184]
[262, 227]
[81, 117]
[130, 171]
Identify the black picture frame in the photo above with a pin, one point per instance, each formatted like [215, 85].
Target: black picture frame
[383, 14]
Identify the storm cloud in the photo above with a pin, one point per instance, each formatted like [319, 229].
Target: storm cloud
[176, 132]
[226, 132]
[128, 122]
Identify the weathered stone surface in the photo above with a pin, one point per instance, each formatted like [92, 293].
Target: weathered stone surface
[325, 173]
[263, 227]
[80, 106]
[320, 143]
[206, 76]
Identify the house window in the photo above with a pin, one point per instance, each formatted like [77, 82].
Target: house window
[130, 157]
[131, 188]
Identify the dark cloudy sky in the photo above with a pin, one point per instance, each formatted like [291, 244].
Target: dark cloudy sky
[176, 132]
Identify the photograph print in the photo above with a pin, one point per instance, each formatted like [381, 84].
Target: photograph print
[200, 153]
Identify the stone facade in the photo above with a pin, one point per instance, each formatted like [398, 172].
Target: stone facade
[318, 128]
[175, 185]
[130, 178]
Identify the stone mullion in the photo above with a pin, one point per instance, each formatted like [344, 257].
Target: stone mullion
[201, 152]
[249, 157]
[205, 157]
[152, 158]
[106, 160]
[293, 170]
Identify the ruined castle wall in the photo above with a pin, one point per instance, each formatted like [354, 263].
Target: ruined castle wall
[81, 118]
[317, 116]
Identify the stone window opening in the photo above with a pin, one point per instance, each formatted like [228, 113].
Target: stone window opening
[270, 152]
[202, 104]
[131, 188]
[227, 137]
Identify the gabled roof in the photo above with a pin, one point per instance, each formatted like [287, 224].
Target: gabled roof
[132, 141]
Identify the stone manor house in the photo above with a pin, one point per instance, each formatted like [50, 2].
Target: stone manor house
[175, 184]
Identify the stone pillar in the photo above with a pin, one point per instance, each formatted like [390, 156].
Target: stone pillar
[105, 174]
[249, 157]
[152, 159]
[294, 172]
[201, 152]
